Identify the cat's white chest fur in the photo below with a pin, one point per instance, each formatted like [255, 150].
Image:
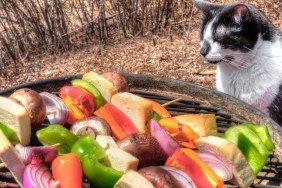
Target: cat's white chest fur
[259, 83]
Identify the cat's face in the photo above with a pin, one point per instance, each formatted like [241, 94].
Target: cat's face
[230, 32]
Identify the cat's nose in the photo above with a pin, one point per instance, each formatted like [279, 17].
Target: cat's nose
[205, 48]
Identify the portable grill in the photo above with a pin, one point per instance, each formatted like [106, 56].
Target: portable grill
[194, 99]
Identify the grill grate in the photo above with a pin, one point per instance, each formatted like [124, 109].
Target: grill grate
[270, 176]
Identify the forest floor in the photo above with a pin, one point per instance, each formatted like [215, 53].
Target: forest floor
[173, 56]
[169, 56]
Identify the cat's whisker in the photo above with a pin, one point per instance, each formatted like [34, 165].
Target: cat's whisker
[250, 59]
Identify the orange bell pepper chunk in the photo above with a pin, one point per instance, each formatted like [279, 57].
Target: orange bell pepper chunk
[79, 102]
[183, 134]
[159, 109]
[215, 180]
[188, 161]
[67, 170]
[181, 161]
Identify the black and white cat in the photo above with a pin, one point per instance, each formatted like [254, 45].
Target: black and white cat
[247, 50]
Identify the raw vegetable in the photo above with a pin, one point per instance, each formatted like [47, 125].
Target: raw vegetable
[118, 81]
[99, 174]
[138, 109]
[231, 155]
[106, 87]
[263, 134]
[86, 145]
[56, 110]
[9, 133]
[156, 116]
[99, 100]
[37, 154]
[182, 133]
[159, 109]
[250, 144]
[54, 134]
[159, 177]
[95, 163]
[113, 120]
[220, 168]
[38, 176]
[183, 179]
[120, 124]
[187, 160]
[144, 147]
[167, 143]
[32, 102]
[67, 171]
[79, 102]
[91, 126]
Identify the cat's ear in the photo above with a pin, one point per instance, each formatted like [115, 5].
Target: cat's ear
[240, 13]
[205, 7]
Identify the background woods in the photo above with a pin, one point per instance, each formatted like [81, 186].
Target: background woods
[48, 38]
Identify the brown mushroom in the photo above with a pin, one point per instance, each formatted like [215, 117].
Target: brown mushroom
[118, 80]
[92, 126]
[143, 146]
[32, 102]
[159, 177]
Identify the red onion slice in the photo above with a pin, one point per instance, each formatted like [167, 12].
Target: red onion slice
[37, 154]
[183, 179]
[38, 176]
[167, 143]
[219, 167]
[56, 110]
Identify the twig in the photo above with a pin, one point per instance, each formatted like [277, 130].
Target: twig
[209, 72]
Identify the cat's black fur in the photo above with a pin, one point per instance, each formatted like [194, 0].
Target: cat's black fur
[234, 32]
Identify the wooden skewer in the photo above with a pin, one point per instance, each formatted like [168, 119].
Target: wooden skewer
[171, 102]
[58, 144]
[54, 111]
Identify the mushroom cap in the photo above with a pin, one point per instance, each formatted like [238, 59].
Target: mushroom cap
[118, 80]
[33, 103]
[159, 177]
[144, 147]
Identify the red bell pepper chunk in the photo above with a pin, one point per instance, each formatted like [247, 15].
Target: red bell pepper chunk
[79, 102]
[160, 110]
[188, 161]
[67, 170]
[120, 124]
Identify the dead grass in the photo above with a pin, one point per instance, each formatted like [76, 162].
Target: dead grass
[173, 57]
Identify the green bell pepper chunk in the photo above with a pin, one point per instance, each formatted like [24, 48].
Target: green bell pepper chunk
[10, 134]
[54, 134]
[250, 144]
[156, 116]
[98, 98]
[86, 145]
[95, 163]
[263, 134]
[99, 174]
